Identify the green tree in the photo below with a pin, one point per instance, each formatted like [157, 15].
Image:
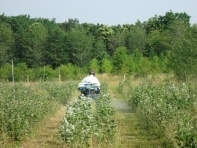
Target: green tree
[182, 58]
[106, 66]
[6, 43]
[71, 23]
[69, 71]
[6, 72]
[79, 46]
[34, 42]
[19, 25]
[94, 65]
[156, 43]
[120, 60]
[105, 32]
[136, 59]
[116, 40]
[164, 22]
[55, 53]
[21, 72]
[135, 38]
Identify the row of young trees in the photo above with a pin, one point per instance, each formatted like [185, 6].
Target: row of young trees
[163, 42]
[120, 63]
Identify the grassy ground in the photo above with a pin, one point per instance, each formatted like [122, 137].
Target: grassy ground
[130, 131]
[46, 135]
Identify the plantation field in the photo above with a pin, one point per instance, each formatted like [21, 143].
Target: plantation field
[154, 111]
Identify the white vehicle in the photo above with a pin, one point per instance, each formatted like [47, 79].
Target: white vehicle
[89, 86]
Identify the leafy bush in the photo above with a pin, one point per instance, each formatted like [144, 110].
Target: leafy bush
[22, 106]
[88, 120]
[94, 65]
[168, 110]
[69, 71]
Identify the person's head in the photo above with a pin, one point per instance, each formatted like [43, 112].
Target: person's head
[92, 73]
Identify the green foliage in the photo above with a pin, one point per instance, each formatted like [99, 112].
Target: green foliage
[6, 43]
[34, 42]
[135, 39]
[120, 58]
[38, 42]
[22, 106]
[99, 49]
[56, 54]
[105, 127]
[71, 23]
[21, 72]
[164, 22]
[69, 71]
[88, 120]
[139, 65]
[77, 124]
[105, 31]
[124, 88]
[182, 58]
[6, 72]
[168, 110]
[79, 46]
[59, 92]
[45, 73]
[94, 65]
[106, 66]
[156, 43]
[116, 40]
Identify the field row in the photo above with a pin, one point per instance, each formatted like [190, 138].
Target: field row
[22, 106]
[169, 110]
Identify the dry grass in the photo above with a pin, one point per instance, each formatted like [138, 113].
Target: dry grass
[46, 135]
[132, 133]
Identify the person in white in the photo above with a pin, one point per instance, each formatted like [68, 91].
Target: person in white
[92, 80]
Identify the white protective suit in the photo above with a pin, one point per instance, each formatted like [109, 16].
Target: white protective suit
[91, 79]
[89, 85]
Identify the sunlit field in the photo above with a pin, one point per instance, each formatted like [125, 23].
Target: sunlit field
[155, 110]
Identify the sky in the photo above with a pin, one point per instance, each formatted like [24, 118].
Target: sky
[108, 12]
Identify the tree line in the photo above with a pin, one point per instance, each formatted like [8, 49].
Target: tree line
[161, 44]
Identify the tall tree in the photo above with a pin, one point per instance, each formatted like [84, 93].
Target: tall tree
[71, 23]
[120, 60]
[157, 44]
[6, 43]
[164, 22]
[19, 25]
[34, 42]
[55, 53]
[116, 40]
[182, 58]
[105, 32]
[79, 46]
[135, 38]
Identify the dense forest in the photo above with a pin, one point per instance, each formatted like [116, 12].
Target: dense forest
[162, 44]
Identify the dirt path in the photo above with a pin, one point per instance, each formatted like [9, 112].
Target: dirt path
[47, 135]
[131, 133]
